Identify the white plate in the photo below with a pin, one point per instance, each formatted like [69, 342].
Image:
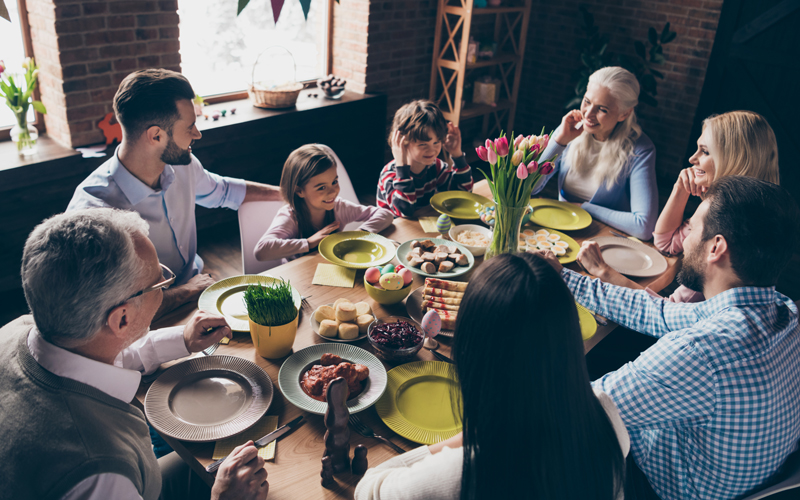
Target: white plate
[315, 327]
[631, 258]
[405, 248]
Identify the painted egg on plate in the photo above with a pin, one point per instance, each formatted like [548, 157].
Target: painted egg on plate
[388, 268]
[431, 324]
[443, 224]
[391, 281]
[372, 275]
[407, 276]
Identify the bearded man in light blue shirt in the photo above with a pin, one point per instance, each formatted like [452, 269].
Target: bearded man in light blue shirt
[154, 173]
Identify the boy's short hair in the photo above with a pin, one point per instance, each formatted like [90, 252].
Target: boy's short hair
[416, 118]
[759, 221]
[147, 97]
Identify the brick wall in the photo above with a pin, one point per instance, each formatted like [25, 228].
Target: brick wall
[552, 42]
[85, 49]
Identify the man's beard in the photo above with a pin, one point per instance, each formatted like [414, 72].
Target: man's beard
[692, 275]
[174, 155]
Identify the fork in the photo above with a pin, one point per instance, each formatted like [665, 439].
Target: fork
[208, 351]
[361, 428]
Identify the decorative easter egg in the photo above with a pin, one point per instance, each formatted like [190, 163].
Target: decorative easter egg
[388, 268]
[431, 324]
[443, 224]
[391, 281]
[407, 276]
[372, 275]
[399, 267]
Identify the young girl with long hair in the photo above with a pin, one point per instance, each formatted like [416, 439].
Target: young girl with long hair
[420, 168]
[533, 427]
[310, 187]
[733, 143]
[606, 163]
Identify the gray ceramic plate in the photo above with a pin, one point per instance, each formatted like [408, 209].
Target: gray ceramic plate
[405, 248]
[299, 362]
[315, 327]
[208, 398]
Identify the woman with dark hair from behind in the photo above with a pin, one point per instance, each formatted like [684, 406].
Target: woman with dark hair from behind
[532, 425]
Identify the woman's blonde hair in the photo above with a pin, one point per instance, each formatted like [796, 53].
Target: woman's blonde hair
[304, 163]
[746, 145]
[617, 149]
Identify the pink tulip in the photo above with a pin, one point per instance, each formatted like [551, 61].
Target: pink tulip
[546, 141]
[502, 146]
[546, 169]
[491, 156]
[518, 140]
[482, 152]
[522, 171]
[517, 157]
[533, 167]
[489, 144]
[535, 149]
[2, 67]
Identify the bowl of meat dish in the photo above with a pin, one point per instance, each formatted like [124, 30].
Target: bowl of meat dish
[304, 376]
[476, 238]
[395, 338]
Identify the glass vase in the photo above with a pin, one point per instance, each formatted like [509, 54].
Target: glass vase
[24, 135]
[505, 238]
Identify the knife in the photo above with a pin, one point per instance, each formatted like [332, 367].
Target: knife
[264, 441]
[441, 356]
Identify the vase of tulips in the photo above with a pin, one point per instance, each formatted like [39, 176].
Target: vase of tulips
[18, 99]
[516, 170]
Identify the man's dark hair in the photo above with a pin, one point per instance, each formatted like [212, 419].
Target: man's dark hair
[759, 221]
[147, 97]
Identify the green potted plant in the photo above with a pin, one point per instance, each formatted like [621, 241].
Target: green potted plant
[273, 318]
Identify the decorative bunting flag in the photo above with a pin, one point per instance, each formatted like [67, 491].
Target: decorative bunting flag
[277, 5]
[306, 4]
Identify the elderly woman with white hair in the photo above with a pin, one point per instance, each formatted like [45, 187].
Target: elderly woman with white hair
[606, 163]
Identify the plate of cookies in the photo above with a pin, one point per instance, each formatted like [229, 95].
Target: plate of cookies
[342, 321]
[435, 257]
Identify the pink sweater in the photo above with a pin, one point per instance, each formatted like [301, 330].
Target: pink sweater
[283, 239]
[672, 244]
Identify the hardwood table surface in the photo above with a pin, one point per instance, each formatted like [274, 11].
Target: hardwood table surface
[295, 471]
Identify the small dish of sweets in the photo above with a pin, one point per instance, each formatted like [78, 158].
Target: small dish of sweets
[395, 338]
[342, 321]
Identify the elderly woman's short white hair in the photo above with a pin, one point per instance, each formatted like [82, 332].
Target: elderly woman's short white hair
[76, 267]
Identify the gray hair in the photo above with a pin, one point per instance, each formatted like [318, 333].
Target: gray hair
[76, 267]
[616, 151]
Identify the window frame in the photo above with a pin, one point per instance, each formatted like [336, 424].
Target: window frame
[242, 94]
[27, 43]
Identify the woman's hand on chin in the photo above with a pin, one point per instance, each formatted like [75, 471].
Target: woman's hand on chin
[569, 130]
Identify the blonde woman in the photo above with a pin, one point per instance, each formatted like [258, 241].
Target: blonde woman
[733, 143]
[605, 162]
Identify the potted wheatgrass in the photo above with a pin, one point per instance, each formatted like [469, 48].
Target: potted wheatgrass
[273, 318]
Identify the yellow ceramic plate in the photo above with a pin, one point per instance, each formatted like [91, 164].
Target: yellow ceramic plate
[226, 297]
[588, 323]
[417, 403]
[559, 215]
[357, 249]
[459, 204]
[572, 250]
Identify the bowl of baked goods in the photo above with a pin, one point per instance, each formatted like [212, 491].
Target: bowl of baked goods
[342, 321]
[395, 338]
[389, 284]
[476, 238]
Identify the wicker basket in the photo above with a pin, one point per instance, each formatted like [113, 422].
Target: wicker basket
[284, 97]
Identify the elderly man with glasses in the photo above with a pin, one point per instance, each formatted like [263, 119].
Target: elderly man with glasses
[93, 284]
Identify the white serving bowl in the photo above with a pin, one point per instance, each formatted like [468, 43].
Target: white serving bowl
[476, 251]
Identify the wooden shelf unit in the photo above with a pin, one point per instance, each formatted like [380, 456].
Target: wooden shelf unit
[451, 70]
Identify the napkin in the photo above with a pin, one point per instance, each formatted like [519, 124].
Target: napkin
[269, 423]
[333, 275]
[428, 224]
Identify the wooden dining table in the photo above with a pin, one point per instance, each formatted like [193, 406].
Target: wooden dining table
[295, 471]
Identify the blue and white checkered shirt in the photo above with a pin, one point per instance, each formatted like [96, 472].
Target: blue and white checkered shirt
[713, 408]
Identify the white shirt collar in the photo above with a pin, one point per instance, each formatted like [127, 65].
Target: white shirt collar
[117, 382]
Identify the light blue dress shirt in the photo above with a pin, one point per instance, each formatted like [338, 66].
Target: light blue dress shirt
[169, 210]
[712, 408]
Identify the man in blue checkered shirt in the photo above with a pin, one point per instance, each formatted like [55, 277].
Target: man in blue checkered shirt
[713, 408]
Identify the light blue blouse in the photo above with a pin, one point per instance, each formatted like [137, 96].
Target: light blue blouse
[169, 211]
[630, 205]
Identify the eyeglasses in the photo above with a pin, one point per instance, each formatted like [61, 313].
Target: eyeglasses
[165, 272]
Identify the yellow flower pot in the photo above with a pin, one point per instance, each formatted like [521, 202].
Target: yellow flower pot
[273, 341]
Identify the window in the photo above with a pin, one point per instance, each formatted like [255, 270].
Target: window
[13, 54]
[219, 49]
